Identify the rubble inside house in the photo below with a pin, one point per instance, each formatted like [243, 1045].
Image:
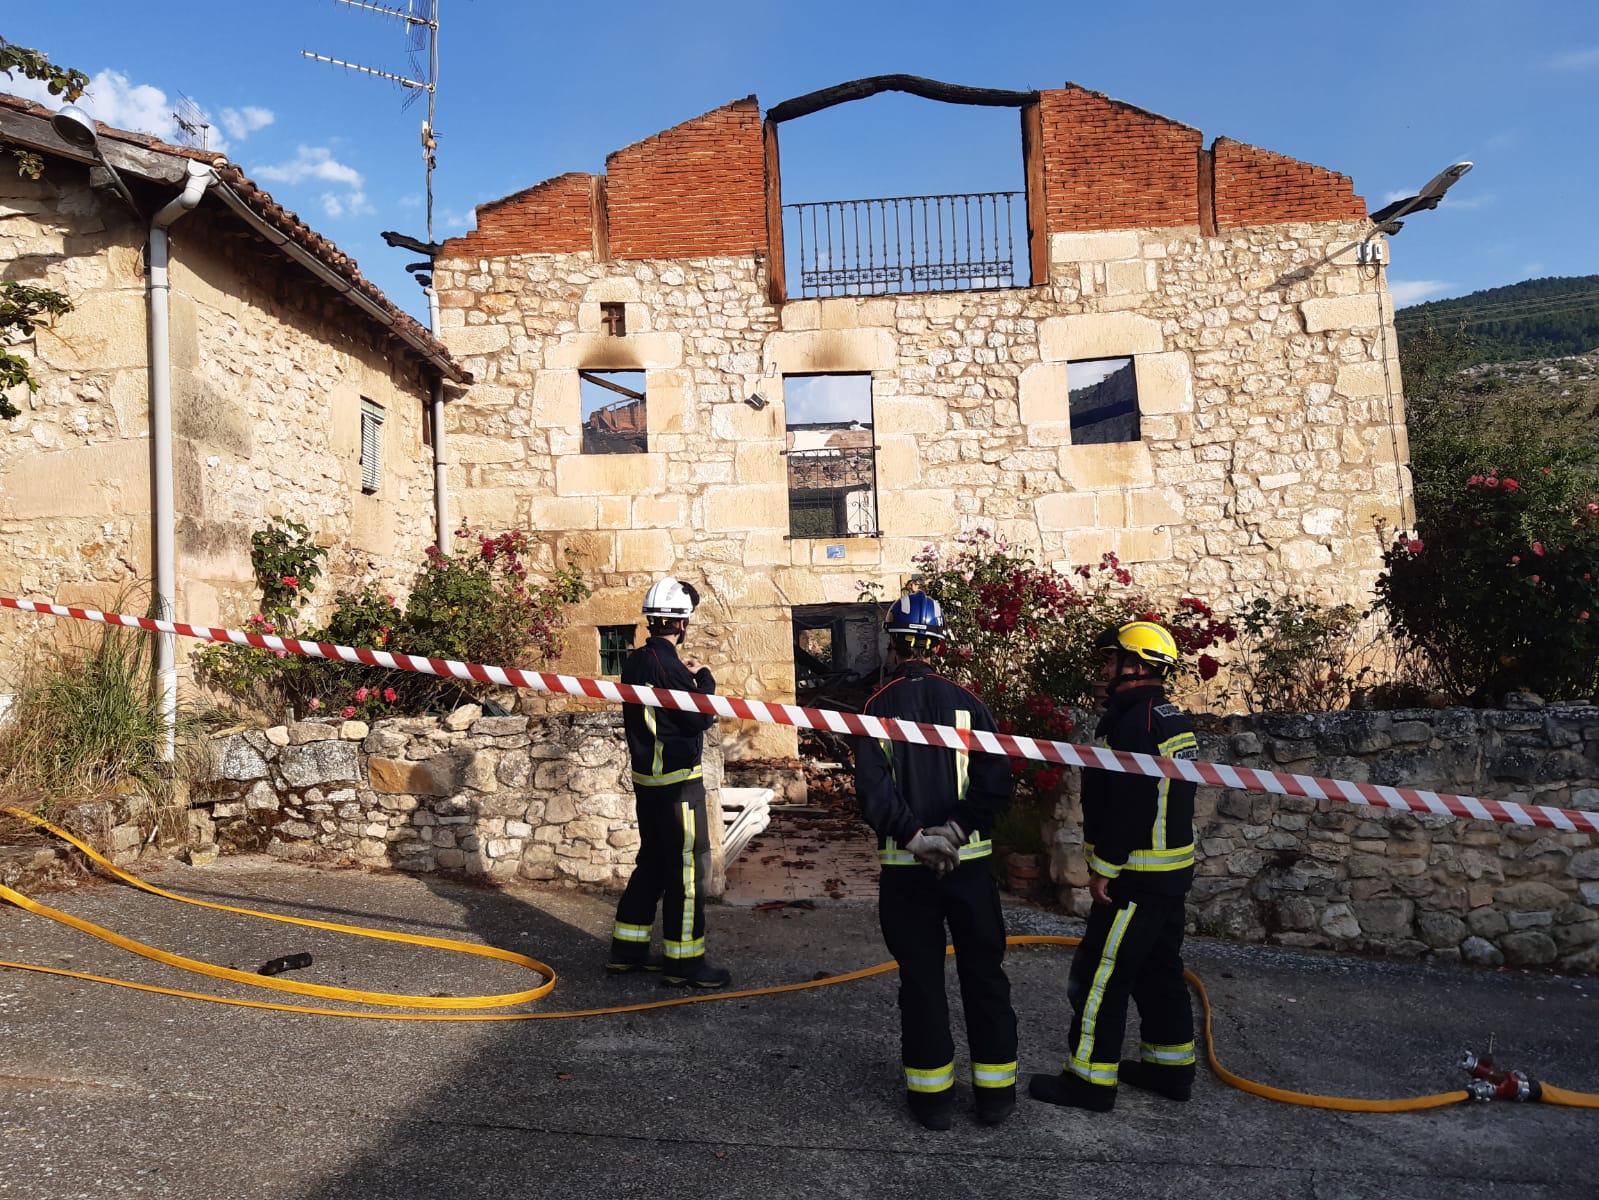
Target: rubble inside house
[817, 849]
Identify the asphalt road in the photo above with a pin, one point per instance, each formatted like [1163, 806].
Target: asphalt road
[106, 1092]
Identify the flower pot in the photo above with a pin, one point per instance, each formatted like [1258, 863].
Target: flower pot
[1022, 872]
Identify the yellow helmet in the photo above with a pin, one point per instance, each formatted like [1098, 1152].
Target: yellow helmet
[1144, 639]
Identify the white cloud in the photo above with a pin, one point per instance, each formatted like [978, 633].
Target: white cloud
[1390, 196]
[815, 398]
[114, 99]
[410, 200]
[242, 122]
[312, 162]
[1578, 60]
[353, 205]
[1413, 291]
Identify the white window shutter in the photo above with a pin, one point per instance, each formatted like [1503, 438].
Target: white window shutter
[371, 446]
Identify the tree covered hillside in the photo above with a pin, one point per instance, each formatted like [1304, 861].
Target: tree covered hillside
[1537, 318]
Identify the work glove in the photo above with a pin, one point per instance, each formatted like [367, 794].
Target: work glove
[935, 852]
[952, 833]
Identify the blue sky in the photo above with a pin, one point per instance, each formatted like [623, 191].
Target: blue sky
[1388, 94]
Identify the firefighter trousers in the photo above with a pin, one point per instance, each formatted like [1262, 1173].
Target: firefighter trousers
[1131, 950]
[672, 870]
[913, 910]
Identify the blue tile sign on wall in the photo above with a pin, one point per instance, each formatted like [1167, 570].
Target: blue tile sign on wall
[835, 552]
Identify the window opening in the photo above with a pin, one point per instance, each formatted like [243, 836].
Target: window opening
[427, 423]
[1104, 401]
[832, 456]
[616, 642]
[613, 318]
[371, 446]
[614, 411]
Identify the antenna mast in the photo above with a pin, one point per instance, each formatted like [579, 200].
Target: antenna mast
[421, 18]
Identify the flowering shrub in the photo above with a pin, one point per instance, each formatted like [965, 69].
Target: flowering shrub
[1499, 590]
[1022, 636]
[478, 606]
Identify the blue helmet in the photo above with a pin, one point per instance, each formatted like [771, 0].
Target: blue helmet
[916, 614]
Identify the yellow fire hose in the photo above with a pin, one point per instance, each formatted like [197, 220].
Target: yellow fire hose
[1547, 1093]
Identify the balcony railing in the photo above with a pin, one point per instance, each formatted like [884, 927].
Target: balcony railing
[959, 243]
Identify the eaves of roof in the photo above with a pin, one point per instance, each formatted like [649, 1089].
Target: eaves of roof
[139, 155]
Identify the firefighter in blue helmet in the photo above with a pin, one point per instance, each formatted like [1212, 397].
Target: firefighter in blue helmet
[1138, 837]
[933, 809]
[665, 746]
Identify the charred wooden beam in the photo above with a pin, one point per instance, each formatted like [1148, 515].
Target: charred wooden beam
[929, 89]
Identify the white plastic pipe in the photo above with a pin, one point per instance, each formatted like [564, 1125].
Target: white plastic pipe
[163, 517]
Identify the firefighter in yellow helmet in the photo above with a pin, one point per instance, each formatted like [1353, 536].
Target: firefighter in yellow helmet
[1138, 837]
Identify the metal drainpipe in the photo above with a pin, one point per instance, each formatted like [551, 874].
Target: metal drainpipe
[163, 519]
[441, 493]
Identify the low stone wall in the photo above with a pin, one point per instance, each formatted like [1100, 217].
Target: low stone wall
[1296, 872]
[544, 798]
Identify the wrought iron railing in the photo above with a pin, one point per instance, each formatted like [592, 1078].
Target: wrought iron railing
[907, 244]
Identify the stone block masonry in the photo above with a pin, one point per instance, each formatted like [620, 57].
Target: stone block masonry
[547, 799]
[1290, 871]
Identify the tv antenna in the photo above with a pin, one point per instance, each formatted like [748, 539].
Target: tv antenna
[421, 19]
[192, 124]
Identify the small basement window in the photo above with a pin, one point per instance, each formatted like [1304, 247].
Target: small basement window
[616, 642]
[832, 456]
[613, 318]
[615, 414]
[371, 446]
[1104, 401]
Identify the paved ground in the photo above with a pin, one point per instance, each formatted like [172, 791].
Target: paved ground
[111, 1093]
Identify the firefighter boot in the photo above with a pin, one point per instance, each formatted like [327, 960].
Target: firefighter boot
[935, 1110]
[995, 1104]
[1175, 1083]
[694, 972]
[1071, 1091]
[628, 957]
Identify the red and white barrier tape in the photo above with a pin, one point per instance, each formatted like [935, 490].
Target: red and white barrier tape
[1063, 754]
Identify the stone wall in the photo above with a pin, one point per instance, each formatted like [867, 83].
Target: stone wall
[1296, 872]
[546, 799]
[268, 371]
[1270, 417]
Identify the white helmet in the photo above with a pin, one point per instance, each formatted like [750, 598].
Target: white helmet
[668, 599]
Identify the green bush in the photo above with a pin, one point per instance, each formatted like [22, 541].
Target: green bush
[1498, 590]
[87, 719]
[1296, 656]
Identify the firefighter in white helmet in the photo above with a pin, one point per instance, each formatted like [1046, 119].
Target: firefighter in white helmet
[665, 745]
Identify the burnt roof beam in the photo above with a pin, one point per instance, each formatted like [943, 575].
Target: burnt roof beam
[915, 85]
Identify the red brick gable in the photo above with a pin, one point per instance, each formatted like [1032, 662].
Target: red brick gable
[694, 190]
[1259, 187]
[1109, 165]
[553, 217]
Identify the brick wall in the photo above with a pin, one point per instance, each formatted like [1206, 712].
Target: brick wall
[1109, 165]
[1258, 187]
[695, 190]
[553, 217]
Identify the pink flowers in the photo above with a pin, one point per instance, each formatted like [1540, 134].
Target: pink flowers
[291, 581]
[390, 695]
[1537, 548]
[1509, 484]
[313, 704]
[347, 711]
[361, 694]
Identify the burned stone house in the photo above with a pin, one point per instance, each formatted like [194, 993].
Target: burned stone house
[1177, 352]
